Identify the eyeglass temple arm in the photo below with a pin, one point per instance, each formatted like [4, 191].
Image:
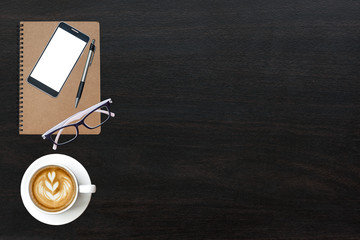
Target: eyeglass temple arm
[106, 112]
[76, 117]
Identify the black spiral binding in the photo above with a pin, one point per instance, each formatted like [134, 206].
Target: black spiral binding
[21, 76]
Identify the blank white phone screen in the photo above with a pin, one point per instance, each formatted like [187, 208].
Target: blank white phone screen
[58, 59]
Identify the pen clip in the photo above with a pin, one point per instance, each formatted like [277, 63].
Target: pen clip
[92, 57]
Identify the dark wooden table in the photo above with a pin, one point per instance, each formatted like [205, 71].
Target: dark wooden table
[235, 120]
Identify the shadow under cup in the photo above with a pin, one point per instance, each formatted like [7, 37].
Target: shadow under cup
[53, 189]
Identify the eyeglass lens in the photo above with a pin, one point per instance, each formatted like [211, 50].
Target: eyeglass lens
[91, 120]
[68, 133]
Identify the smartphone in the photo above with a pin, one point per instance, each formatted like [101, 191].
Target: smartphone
[58, 59]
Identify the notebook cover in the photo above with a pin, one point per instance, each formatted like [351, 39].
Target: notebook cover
[38, 112]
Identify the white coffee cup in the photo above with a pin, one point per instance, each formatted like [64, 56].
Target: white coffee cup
[79, 189]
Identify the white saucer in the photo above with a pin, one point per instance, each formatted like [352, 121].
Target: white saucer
[79, 206]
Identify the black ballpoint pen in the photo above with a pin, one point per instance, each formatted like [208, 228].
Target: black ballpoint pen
[86, 68]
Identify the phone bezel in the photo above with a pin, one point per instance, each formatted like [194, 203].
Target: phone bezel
[41, 85]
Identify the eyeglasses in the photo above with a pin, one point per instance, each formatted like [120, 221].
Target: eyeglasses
[71, 130]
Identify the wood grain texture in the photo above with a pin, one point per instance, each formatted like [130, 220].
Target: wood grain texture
[235, 120]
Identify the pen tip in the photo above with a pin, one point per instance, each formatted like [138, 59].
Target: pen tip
[76, 102]
[93, 41]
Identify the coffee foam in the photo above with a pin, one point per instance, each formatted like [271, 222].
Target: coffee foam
[52, 188]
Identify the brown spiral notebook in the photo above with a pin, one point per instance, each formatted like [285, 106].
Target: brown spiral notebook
[38, 111]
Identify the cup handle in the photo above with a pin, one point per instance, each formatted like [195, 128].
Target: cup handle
[87, 188]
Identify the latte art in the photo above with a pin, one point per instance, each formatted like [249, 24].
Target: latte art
[52, 188]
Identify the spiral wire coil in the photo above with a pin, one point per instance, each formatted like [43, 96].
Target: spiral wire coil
[21, 75]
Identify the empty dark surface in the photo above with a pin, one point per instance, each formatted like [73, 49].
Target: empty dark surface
[235, 120]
